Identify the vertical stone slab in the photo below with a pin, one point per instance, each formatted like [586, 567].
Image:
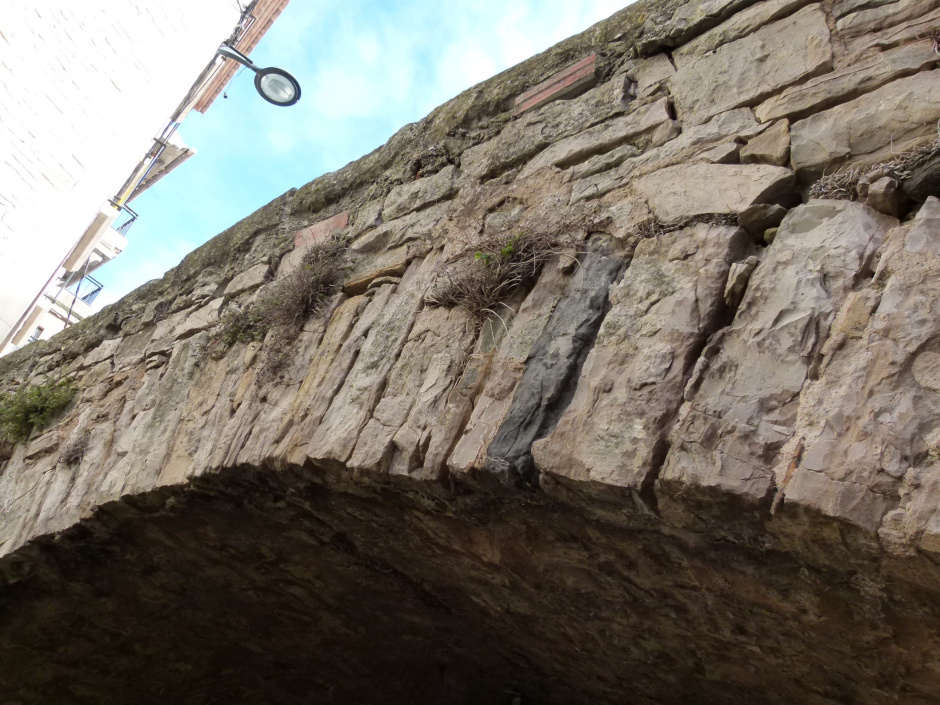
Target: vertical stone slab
[547, 383]
[746, 402]
[868, 432]
[630, 389]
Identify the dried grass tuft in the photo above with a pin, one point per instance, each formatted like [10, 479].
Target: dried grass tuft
[284, 308]
[653, 227]
[491, 268]
[844, 185]
[74, 451]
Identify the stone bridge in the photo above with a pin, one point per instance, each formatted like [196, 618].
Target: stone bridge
[687, 455]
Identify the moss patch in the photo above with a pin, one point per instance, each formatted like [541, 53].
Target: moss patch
[30, 408]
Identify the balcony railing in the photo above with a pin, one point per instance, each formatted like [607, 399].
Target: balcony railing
[87, 289]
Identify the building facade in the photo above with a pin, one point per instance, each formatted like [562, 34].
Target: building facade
[94, 92]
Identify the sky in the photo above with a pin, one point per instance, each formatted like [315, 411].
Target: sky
[366, 69]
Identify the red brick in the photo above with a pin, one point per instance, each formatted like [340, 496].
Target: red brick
[567, 83]
[322, 230]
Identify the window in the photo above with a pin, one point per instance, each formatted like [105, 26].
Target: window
[37, 334]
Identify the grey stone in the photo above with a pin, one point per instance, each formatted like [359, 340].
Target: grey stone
[875, 18]
[663, 308]
[896, 35]
[865, 440]
[651, 73]
[738, 25]
[745, 407]
[249, 279]
[602, 138]
[421, 193]
[845, 7]
[198, 320]
[547, 384]
[883, 196]
[738, 278]
[727, 153]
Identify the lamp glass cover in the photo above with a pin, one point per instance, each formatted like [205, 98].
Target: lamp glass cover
[277, 87]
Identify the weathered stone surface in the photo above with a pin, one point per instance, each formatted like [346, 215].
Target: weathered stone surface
[602, 174]
[680, 192]
[337, 491]
[758, 219]
[335, 439]
[685, 21]
[537, 129]
[770, 147]
[751, 69]
[498, 371]
[909, 31]
[199, 320]
[652, 73]
[666, 304]
[738, 278]
[727, 153]
[849, 82]
[249, 279]
[320, 231]
[744, 409]
[869, 128]
[883, 196]
[844, 7]
[881, 16]
[866, 428]
[555, 361]
[421, 193]
[601, 139]
[739, 25]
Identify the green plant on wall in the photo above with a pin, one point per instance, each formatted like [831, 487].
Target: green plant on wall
[32, 407]
[284, 307]
[501, 263]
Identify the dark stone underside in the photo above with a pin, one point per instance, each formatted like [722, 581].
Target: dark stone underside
[269, 588]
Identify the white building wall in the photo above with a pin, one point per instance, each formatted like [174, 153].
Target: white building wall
[85, 85]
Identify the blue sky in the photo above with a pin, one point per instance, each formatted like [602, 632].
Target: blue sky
[367, 68]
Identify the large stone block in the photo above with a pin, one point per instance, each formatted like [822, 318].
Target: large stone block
[668, 301]
[751, 69]
[421, 193]
[738, 25]
[687, 190]
[869, 128]
[751, 376]
[867, 435]
[849, 82]
[602, 138]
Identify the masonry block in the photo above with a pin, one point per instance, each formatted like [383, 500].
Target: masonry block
[567, 83]
[322, 230]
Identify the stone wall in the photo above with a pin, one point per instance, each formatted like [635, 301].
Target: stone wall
[694, 459]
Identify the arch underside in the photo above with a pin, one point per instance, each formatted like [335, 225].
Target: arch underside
[253, 586]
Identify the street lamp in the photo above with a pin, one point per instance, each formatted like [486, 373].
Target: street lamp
[275, 85]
